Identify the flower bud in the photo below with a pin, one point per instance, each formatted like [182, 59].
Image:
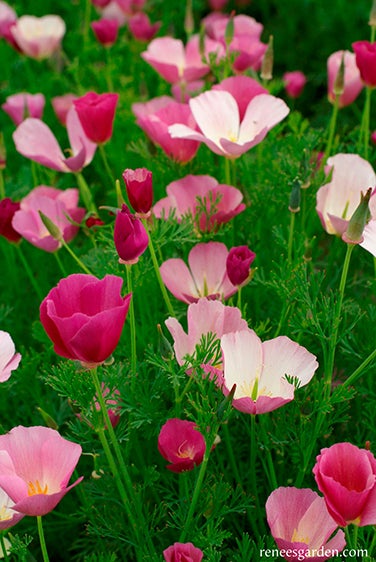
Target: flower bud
[267, 61]
[7, 210]
[139, 185]
[294, 204]
[238, 262]
[339, 82]
[359, 219]
[130, 236]
[106, 31]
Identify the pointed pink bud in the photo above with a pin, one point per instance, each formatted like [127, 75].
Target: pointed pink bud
[106, 31]
[238, 262]
[130, 236]
[96, 113]
[139, 184]
[181, 444]
[294, 83]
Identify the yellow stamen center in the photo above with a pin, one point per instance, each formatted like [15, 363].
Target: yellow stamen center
[185, 452]
[35, 488]
[296, 538]
[5, 513]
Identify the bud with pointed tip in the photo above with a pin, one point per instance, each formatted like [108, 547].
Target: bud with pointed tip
[359, 219]
[267, 61]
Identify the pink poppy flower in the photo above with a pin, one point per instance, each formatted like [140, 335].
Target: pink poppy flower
[35, 140]
[182, 552]
[112, 11]
[217, 4]
[217, 115]
[36, 464]
[8, 18]
[206, 275]
[106, 31]
[260, 370]
[294, 83]
[84, 317]
[130, 236]
[154, 118]
[365, 55]
[352, 82]
[9, 359]
[9, 518]
[337, 200]
[243, 89]
[130, 7]
[181, 444]
[59, 206]
[238, 262]
[300, 523]
[20, 106]
[96, 113]
[203, 317]
[141, 28]
[346, 475]
[176, 63]
[139, 186]
[207, 202]
[38, 38]
[7, 210]
[100, 3]
[61, 106]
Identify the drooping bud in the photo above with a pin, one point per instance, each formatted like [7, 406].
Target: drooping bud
[339, 82]
[51, 227]
[359, 219]
[294, 204]
[268, 61]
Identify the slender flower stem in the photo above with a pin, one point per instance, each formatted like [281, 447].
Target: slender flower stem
[2, 185]
[363, 141]
[76, 258]
[3, 546]
[332, 130]
[231, 456]
[87, 18]
[59, 263]
[110, 84]
[106, 164]
[29, 272]
[227, 171]
[42, 540]
[291, 238]
[253, 474]
[360, 369]
[132, 322]
[86, 194]
[272, 475]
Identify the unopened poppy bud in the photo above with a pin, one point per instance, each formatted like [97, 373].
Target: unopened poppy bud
[139, 185]
[188, 20]
[372, 15]
[49, 421]
[225, 402]
[165, 348]
[367, 445]
[238, 262]
[294, 204]
[51, 227]
[130, 236]
[3, 153]
[339, 82]
[268, 61]
[229, 32]
[359, 219]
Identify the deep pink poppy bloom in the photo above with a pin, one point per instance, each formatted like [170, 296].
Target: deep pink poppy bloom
[365, 55]
[36, 464]
[9, 359]
[130, 236]
[130, 7]
[84, 317]
[141, 28]
[203, 317]
[182, 552]
[106, 31]
[207, 202]
[217, 115]
[299, 522]
[206, 275]
[294, 82]
[259, 370]
[217, 4]
[7, 210]
[139, 186]
[96, 113]
[346, 475]
[35, 140]
[61, 106]
[181, 444]
[238, 262]
[352, 82]
[20, 106]
[154, 118]
[38, 38]
[61, 207]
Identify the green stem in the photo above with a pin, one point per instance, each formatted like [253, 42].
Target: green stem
[86, 194]
[29, 272]
[360, 369]
[269, 459]
[76, 258]
[231, 456]
[34, 173]
[2, 185]
[227, 171]
[3, 546]
[239, 299]
[106, 164]
[42, 540]
[253, 474]
[87, 18]
[363, 140]
[291, 238]
[332, 130]
[132, 323]
[110, 84]
[59, 263]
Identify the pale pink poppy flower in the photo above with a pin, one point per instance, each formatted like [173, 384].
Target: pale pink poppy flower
[35, 140]
[217, 115]
[141, 28]
[205, 275]
[203, 317]
[8, 516]
[112, 11]
[130, 7]
[243, 89]
[8, 18]
[353, 84]
[20, 106]
[300, 523]
[294, 82]
[61, 207]
[61, 105]
[176, 63]
[39, 38]
[155, 116]
[346, 475]
[260, 370]
[9, 359]
[207, 202]
[337, 200]
[36, 464]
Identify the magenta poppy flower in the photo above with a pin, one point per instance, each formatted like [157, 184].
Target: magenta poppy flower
[139, 186]
[20, 106]
[260, 370]
[9, 359]
[130, 236]
[61, 207]
[238, 262]
[35, 140]
[205, 275]
[61, 106]
[96, 113]
[301, 525]
[346, 476]
[352, 82]
[106, 31]
[365, 55]
[154, 118]
[182, 552]
[203, 317]
[230, 135]
[7, 211]
[38, 38]
[36, 464]
[84, 317]
[207, 202]
[294, 82]
[181, 444]
[141, 28]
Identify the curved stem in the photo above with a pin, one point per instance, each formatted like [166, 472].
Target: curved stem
[29, 273]
[59, 263]
[86, 194]
[253, 474]
[132, 323]
[2, 185]
[42, 539]
[76, 258]
[360, 369]
[106, 164]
